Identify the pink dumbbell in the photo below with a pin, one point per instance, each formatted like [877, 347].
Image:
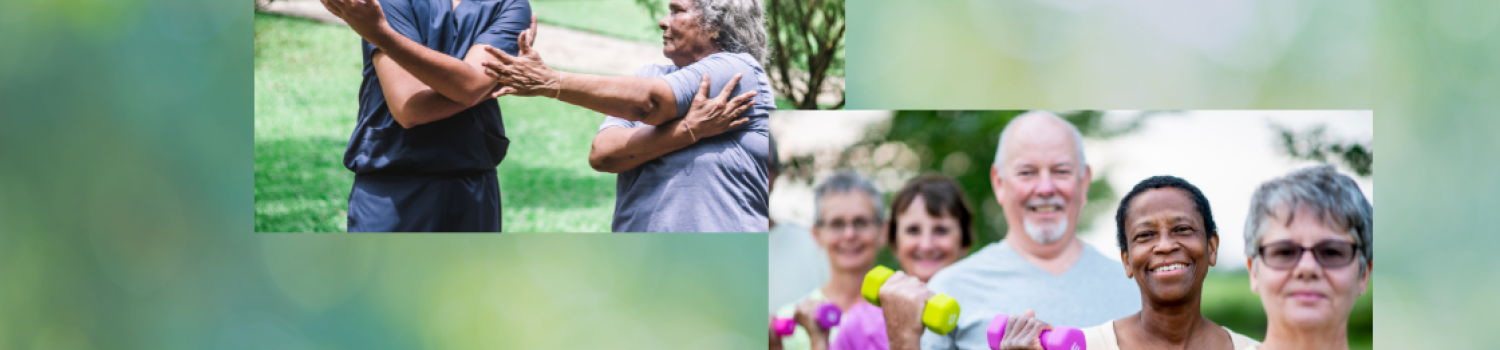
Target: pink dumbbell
[1059, 338]
[828, 316]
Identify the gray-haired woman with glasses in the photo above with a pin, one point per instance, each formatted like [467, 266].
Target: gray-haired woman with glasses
[1308, 238]
[849, 214]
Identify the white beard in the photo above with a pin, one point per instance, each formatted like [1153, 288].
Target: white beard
[1046, 234]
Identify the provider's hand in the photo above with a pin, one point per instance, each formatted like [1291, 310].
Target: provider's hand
[523, 74]
[1023, 332]
[902, 300]
[364, 16]
[712, 116]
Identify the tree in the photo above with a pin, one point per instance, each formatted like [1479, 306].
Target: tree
[807, 49]
[1315, 145]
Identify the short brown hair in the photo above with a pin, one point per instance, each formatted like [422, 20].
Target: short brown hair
[942, 196]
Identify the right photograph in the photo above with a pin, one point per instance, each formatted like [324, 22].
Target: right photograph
[1071, 229]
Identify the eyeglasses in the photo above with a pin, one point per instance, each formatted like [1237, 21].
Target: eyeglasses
[858, 224]
[1283, 255]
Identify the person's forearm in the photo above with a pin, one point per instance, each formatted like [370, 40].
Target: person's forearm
[455, 79]
[905, 341]
[620, 149]
[424, 107]
[646, 100]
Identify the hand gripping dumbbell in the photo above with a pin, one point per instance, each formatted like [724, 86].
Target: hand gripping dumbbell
[828, 316]
[1058, 338]
[940, 315]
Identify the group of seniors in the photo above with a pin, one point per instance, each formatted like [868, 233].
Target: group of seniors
[429, 133]
[1308, 240]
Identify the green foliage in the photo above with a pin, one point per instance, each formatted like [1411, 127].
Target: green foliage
[307, 75]
[656, 7]
[807, 48]
[1315, 145]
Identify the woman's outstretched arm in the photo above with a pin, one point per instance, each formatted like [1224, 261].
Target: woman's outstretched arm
[646, 100]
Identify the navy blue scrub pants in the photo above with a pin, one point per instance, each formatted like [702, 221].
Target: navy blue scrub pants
[449, 202]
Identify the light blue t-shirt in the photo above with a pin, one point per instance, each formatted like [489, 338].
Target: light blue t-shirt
[720, 183]
[997, 280]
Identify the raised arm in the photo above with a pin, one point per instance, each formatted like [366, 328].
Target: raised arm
[461, 81]
[619, 149]
[646, 100]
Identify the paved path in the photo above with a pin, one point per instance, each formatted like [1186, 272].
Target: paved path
[563, 48]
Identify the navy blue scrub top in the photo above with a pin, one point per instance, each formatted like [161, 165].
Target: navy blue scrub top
[472, 140]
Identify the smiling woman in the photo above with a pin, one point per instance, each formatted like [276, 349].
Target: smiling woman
[1168, 241]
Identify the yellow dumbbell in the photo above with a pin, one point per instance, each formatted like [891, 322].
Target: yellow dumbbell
[940, 314]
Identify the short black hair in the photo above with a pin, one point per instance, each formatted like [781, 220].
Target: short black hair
[1164, 181]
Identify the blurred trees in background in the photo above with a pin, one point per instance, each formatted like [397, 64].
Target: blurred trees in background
[959, 144]
[1315, 145]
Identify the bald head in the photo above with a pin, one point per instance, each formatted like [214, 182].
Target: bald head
[1038, 127]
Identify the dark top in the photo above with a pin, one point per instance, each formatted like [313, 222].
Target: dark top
[472, 140]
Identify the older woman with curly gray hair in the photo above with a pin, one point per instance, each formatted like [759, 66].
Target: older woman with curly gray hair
[1309, 239]
[689, 158]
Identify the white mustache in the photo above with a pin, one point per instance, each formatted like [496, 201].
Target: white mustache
[1054, 200]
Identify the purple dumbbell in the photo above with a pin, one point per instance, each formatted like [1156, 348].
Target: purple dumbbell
[828, 316]
[1059, 338]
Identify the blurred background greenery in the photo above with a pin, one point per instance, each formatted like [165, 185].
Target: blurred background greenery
[127, 166]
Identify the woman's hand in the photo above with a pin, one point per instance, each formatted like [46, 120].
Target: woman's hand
[775, 338]
[902, 300]
[712, 116]
[1023, 332]
[807, 317]
[524, 74]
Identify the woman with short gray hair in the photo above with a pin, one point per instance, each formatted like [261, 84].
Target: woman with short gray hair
[689, 158]
[1308, 297]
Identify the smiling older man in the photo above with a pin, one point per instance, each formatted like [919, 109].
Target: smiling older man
[1041, 179]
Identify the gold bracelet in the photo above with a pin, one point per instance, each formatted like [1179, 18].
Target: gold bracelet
[690, 130]
[558, 96]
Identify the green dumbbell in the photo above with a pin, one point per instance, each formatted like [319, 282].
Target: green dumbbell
[940, 314]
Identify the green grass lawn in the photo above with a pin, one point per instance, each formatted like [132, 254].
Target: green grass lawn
[1228, 301]
[307, 77]
[617, 18]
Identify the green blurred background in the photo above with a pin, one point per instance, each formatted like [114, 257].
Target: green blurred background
[127, 180]
[1427, 68]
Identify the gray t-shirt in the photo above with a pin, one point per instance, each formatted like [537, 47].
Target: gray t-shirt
[720, 183]
[997, 280]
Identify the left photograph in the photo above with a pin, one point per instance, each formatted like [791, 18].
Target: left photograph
[514, 115]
